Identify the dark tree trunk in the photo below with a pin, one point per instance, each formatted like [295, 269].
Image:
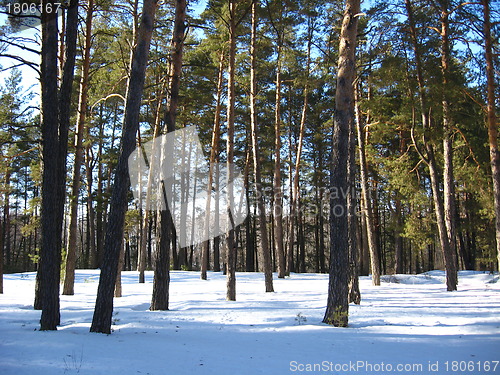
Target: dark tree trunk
[161, 280]
[48, 273]
[103, 312]
[337, 310]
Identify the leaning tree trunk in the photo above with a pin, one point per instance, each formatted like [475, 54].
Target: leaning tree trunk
[492, 119]
[337, 310]
[264, 242]
[103, 312]
[161, 281]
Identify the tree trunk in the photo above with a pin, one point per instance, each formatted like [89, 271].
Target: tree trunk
[160, 299]
[90, 203]
[121, 261]
[6, 235]
[492, 120]
[1, 255]
[217, 266]
[142, 256]
[430, 160]
[231, 241]
[337, 310]
[69, 278]
[48, 273]
[448, 174]
[95, 263]
[398, 240]
[55, 128]
[214, 152]
[64, 102]
[352, 219]
[295, 198]
[283, 266]
[367, 212]
[264, 244]
[161, 282]
[101, 321]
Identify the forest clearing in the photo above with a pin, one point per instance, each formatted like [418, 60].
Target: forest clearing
[410, 320]
[254, 186]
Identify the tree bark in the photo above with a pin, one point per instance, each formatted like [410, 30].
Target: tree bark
[101, 321]
[337, 310]
[492, 120]
[266, 252]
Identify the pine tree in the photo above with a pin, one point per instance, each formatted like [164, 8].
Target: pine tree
[337, 310]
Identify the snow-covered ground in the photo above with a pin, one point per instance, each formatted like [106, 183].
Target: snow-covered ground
[408, 325]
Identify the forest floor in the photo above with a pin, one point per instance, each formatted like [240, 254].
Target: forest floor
[408, 325]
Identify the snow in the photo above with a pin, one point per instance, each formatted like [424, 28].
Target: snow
[408, 325]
